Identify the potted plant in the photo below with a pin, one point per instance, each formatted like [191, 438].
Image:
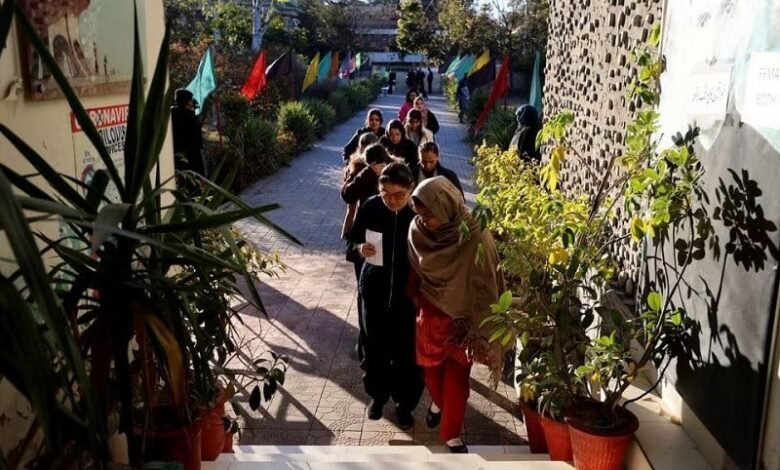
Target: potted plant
[118, 281]
[231, 428]
[660, 193]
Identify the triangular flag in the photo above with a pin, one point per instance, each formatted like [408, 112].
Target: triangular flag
[344, 70]
[205, 81]
[311, 72]
[453, 63]
[499, 89]
[535, 98]
[334, 66]
[483, 76]
[324, 67]
[256, 79]
[280, 67]
[480, 62]
[358, 60]
[464, 66]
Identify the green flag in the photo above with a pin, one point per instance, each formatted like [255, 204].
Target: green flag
[205, 81]
[464, 66]
[454, 63]
[358, 61]
[324, 66]
[535, 98]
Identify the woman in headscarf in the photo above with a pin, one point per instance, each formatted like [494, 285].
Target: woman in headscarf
[428, 118]
[455, 279]
[373, 124]
[415, 131]
[411, 95]
[524, 140]
[397, 145]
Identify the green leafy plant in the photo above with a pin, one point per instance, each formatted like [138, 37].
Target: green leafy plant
[324, 115]
[131, 272]
[554, 317]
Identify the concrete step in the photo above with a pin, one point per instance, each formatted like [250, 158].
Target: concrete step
[382, 457]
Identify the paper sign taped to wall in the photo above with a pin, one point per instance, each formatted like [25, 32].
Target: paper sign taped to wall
[709, 93]
[762, 91]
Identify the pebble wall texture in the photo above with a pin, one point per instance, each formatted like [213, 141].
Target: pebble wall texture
[588, 72]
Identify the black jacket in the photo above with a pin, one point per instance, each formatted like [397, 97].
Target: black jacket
[404, 149]
[433, 123]
[361, 187]
[383, 288]
[420, 175]
[187, 139]
[353, 143]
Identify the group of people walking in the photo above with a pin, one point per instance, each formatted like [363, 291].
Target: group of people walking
[424, 285]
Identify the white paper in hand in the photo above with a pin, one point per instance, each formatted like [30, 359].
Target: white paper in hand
[375, 238]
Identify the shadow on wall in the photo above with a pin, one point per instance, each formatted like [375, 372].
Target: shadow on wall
[730, 298]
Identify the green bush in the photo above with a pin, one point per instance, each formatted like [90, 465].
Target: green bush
[338, 99]
[253, 150]
[358, 96]
[499, 128]
[296, 119]
[324, 114]
[235, 111]
[475, 107]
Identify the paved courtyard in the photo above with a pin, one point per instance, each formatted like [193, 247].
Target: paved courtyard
[312, 313]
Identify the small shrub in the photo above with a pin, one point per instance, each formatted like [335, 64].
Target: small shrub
[294, 117]
[499, 128]
[357, 96]
[475, 107]
[338, 99]
[235, 111]
[324, 114]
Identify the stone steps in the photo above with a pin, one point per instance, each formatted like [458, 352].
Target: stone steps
[382, 457]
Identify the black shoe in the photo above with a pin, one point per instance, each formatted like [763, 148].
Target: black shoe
[405, 419]
[461, 449]
[432, 419]
[374, 410]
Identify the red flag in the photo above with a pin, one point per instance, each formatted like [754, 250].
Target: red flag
[256, 80]
[500, 87]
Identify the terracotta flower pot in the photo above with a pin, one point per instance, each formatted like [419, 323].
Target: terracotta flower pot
[556, 433]
[213, 433]
[228, 447]
[176, 445]
[533, 425]
[602, 449]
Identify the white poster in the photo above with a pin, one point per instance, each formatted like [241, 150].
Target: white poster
[761, 106]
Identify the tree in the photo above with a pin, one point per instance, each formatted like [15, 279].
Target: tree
[416, 30]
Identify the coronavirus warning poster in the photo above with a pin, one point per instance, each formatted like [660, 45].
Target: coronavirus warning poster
[111, 124]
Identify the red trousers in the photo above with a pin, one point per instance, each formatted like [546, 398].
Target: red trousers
[448, 384]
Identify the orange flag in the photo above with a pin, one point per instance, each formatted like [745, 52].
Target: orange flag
[334, 65]
[256, 79]
[500, 87]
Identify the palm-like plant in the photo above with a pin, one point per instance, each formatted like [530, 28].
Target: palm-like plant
[124, 328]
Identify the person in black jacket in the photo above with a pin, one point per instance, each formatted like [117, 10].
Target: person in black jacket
[524, 140]
[397, 145]
[429, 119]
[373, 124]
[389, 357]
[187, 139]
[429, 166]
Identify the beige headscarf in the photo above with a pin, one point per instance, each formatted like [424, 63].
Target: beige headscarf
[459, 273]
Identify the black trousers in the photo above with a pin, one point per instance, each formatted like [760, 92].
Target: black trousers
[361, 333]
[389, 364]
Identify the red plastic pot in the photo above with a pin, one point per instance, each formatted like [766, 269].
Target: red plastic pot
[176, 445]
[213, 433]
[533, 425]
[228, 447]
[556, 433]
[603, 449]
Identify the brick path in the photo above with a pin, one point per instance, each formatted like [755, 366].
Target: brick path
[312, 311]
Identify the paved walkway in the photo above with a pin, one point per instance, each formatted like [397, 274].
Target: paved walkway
[312, 311]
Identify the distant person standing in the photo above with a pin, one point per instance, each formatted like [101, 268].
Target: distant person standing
[411, 76]
[463, 95]
[524, 140]
[421, 82]
[187, 139]
[390, 82]
[430, 81]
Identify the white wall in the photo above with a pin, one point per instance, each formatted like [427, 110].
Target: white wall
[45, 126]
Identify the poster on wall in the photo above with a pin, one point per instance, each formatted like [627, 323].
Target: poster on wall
[91, 41]
[111, 124]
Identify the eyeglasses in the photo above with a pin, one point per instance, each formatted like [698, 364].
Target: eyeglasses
[397, 196]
